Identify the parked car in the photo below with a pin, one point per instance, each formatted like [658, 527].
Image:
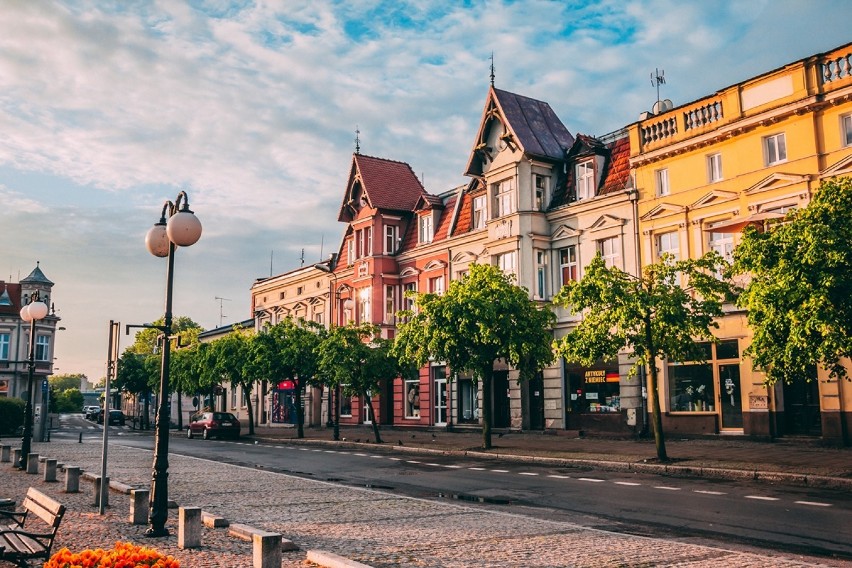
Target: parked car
[209, 424]
[92, 412]
[116, 418]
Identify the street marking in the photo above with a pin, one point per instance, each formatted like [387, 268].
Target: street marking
[559, 476]
[361, 455]
[316, 450]
[304, 449]
[412, 461]
[477, 468]
[395, 459]
[706, 492]
[813, 503]
[453, 466]
[376, 456]
[761, 498]
[527, 473]
[500, 470]
[434, 464]
[592, 479]
[631, 483]
[667, 488]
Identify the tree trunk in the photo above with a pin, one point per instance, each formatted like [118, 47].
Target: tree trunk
[659, 438]
[372, 416]
[487, 375]
[180, 410]
[300, 412]
[250, 410]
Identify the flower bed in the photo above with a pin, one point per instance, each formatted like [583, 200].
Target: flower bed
[124, 555]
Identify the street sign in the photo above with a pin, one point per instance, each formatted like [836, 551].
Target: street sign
[44, 387]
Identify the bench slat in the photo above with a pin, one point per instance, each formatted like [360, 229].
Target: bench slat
[18, 543]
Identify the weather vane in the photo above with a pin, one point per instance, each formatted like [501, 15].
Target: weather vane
[492, 68]
[357, 140]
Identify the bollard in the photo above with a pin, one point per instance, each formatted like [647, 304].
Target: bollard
[16, 457]
[266, 549]
[32, 463]
[50, 470]
[72, 479]
[5, 453]
[189, 527]
[98, 480]
[80, 438]
[139, 506]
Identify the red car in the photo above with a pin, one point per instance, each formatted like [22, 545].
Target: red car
[209, 424]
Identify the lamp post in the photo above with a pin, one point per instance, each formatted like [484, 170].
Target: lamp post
[333, 297]
[32, 312]
[178, 226]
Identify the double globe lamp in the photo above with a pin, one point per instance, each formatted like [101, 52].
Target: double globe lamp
[35, 310]
[177, 227]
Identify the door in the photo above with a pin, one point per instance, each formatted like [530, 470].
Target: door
[535, 395]
[440, 403]
[801, 408]
[730, 397]
[500, 396]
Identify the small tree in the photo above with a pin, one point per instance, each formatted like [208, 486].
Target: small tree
[651, 316]
[230, 359]
[357, 359]
[481, 319]
[288, 349]
[799, 297]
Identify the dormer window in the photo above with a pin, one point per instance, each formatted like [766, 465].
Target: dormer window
[540, 192]
[426, 231]
[504, 201]
[479, 212]
[390, 239]
[585, 180]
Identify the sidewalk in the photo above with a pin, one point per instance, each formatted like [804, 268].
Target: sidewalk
[802, 462]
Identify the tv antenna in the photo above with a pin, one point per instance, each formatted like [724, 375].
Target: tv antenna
[220, 307]
[658, 77]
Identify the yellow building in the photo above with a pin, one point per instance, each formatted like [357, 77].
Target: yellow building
[745, 154]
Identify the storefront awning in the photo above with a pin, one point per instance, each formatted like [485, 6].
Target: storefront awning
[737, 224]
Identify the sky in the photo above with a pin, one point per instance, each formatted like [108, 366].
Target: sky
[110, 108]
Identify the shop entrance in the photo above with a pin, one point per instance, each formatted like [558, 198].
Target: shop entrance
[500, 396]
[439, 405]
[535, 396]
[801, 408]
[731, 400]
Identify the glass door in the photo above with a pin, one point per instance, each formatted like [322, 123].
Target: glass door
[440, 398]
[730, 397]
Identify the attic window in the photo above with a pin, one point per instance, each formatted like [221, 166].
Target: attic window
[585, 180]
[426, 232]
[540, 189]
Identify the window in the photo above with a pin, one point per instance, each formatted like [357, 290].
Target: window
[439, 404]
[540, 195]
[350, 251]
[390, 304]
[42, 347]
[408, 300]
[4, 346]
[595, 389]
[723, 243]
[506, 262]
[692, 384]
[368, 244]
[243, 397]
[775, 149]
[345, 402]
[714, 168]
[585, 180]
[610, 250]
[503, 200]
[299, 290]
[541, 274]
[364, 312]
[426, 228]
[390, 239]
[412, 398]
[479, 212]
[668, 243]
[468, 407]
[233, 397]
[846, 130]
[568, 265]
[436, 285]
[662, 180]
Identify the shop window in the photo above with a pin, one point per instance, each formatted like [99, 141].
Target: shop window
[662, 180]
[714, 168]
[585, 180]
[479, 212]
[439, 382]
[693, 384]
[345, 403]
[468, 407]
[4, 346]
[412, 398]
[42, 347]
[775, 149]
[594, 390]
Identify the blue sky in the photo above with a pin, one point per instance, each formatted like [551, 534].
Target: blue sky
[107, 109]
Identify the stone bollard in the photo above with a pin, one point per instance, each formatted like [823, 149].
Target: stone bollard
[5, 453]
[266, 549]
[189, 527]
[50, 470]
[32, 463]
[72, 479]
[139, 506]
[16, 457]
[98, 481]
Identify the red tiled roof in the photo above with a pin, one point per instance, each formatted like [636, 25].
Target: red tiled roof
[443, 228]
[618, 167]
[465, 212]
[389, 184]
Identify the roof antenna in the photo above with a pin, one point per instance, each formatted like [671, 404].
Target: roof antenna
[302, 259]
[658, 77]
[492, 68]
[357, 140]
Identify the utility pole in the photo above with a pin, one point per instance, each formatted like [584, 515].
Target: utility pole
[220, 307]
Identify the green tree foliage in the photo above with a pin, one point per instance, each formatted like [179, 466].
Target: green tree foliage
[230, 359]
[69, 400]
[138, 374]
[145, 340]
[356, 359]
[63, 382]
[482, 318]
[288, 350]
[653, 317]
[799, 297]
[11, 416]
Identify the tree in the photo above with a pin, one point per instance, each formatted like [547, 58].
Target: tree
[145, 341]
[69, 400]
[230, 358]
[288, 350]
[66, 381]
[799, 297]
[653, 317]
[356, 358]
[481, 319]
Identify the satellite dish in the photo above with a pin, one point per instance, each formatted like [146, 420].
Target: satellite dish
[658, 107]
[669, 104]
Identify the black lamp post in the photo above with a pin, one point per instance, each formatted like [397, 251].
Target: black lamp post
[32, 312]
[178, 226]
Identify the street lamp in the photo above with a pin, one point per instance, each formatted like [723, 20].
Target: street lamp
[177, 227]
[32, 312]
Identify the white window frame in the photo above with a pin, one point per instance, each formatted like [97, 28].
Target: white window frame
[568, 261]
[714, 168]
[585, 179]
[846, 130]
[243, 398]
[775, 149]
[390, 304]
[425, 229]
[365, 314]
[412, 400]
[408, 303]
[541, 274]
[504, 201]
[368, 241]
[610, 251]
[436, 285]
[5, 340]
[661, 179]
[350, 251]
[668, 243]
[390, 239]
[233, 397]
[479, 213]
[508, 262]
[540, 192]
[42, 348]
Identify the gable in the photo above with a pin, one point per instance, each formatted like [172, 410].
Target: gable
[714, 198]
[663, 210]
[565, 232]
[776, 181]
[606, 221]
[840, 168]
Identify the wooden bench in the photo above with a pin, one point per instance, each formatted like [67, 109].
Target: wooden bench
[18, 543]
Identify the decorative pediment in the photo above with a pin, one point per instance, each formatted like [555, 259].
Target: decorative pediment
[410, 271]
[715, 197]
[465, 256]
[663, 210]
[776, 181]
[434, 265]
[606, 221]
[565, 232]
[841, 168]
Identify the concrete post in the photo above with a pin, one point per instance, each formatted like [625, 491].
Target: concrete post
[72, 479]
[5, 453]
[32, 463]
[139, 506]
[50, 470]
[16, 457]
[266, 550]
[98, 481]
[189, 528]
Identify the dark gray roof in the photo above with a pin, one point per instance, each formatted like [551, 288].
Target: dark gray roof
[539, 130]
[36, 277]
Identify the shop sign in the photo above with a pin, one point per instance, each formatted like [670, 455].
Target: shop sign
[286, 385]
[758, 402]
[600, 376]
